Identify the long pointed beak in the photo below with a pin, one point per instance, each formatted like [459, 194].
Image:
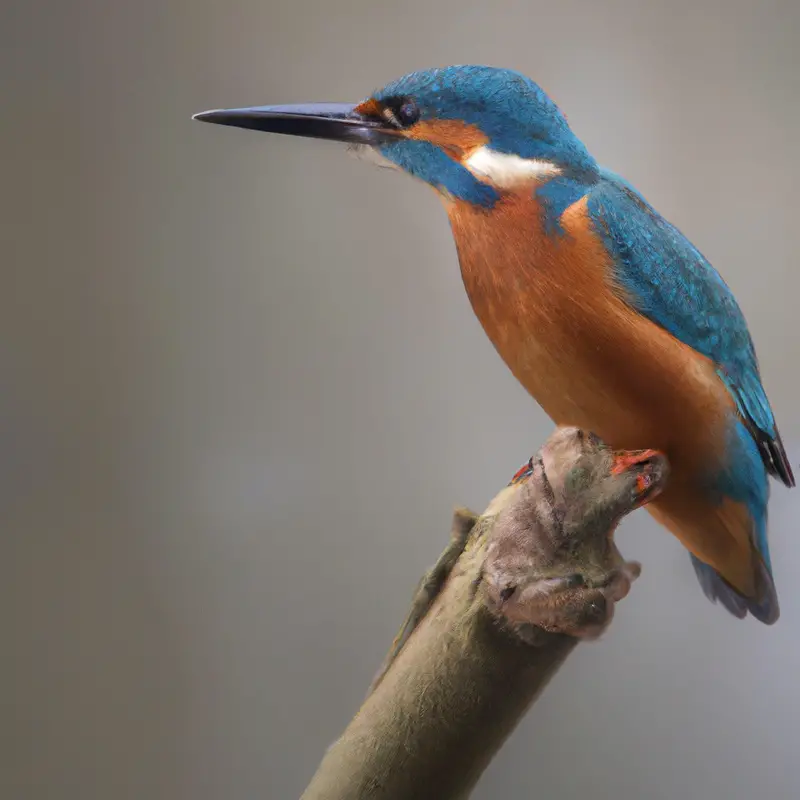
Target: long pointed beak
[336, 121]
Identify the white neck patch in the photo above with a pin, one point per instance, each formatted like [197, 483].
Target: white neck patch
[505, 170]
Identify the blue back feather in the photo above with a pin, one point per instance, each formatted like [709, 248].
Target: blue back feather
[669, 281]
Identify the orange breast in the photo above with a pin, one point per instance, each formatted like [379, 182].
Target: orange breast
[552, 311]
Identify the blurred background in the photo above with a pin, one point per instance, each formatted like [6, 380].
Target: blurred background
[241, 390]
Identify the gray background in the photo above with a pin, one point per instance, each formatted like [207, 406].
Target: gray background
[241, 390]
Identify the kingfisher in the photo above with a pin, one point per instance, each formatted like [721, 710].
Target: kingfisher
[612, 320]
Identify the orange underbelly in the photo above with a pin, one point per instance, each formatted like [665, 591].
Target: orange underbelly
[589, 360]
[631, 383]
[675, 404]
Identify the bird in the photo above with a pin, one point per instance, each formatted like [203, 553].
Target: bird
[605, 312]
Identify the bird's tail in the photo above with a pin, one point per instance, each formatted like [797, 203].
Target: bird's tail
[764, 607]
[745, 483]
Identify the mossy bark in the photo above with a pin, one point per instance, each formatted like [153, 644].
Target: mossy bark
[509, 599]
[449, 700]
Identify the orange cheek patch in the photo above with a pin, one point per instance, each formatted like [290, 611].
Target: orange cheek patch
[456, 138]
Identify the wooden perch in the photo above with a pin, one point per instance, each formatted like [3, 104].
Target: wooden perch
[492, 622]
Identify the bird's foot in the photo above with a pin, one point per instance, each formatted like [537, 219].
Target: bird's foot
[574, 604]
[551, 563]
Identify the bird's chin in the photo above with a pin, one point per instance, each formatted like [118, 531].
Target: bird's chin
[371, 155]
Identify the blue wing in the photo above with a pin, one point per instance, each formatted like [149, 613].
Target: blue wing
[669, 281]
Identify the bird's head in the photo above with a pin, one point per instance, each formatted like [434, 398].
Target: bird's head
[471, 132]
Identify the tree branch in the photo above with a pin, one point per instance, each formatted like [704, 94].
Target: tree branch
[492, 622]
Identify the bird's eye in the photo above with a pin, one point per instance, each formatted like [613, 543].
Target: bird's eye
[408, 113]
[401, 111]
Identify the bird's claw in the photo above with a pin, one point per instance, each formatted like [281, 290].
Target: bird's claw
[574, 605]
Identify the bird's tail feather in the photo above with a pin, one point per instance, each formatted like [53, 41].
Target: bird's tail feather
[765, 609]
